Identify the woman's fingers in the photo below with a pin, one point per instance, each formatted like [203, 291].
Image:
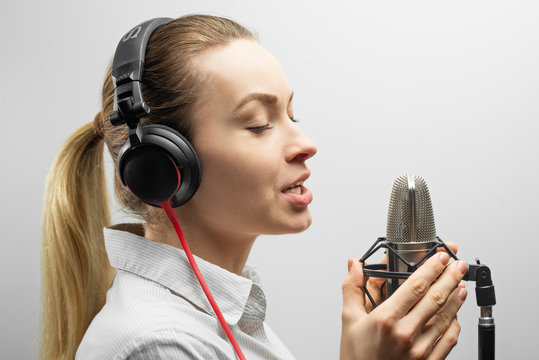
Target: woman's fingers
[437, 297]
[352, 291]
[439, 324]
[417, 285]
[446, 342]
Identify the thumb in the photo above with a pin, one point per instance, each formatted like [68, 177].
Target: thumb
[352, 292]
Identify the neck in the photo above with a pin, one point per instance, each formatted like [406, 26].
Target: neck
[221, 247]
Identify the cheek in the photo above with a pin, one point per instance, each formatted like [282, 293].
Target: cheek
[237, 178]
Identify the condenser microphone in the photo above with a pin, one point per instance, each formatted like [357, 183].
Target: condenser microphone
[410, 240]
[411, 232]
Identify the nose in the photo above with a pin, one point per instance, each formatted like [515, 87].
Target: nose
[300, 147]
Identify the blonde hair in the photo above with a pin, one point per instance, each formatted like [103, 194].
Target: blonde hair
[75, 269]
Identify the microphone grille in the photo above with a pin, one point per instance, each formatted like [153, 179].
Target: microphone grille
[410, 217]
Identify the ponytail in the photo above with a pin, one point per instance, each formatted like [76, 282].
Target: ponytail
[75, 269]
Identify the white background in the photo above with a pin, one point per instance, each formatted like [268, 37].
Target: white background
[448, 90]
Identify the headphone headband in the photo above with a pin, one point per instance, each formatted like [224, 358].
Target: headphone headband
[127, 69]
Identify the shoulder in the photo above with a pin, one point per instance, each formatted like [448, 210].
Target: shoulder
[166, 343]
[142, 319]
[169, 344]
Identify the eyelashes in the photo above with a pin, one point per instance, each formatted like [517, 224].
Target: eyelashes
[261, 129]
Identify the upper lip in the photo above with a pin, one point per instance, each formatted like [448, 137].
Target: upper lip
[298, 181]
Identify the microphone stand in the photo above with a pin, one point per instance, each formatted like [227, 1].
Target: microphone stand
[485, 297]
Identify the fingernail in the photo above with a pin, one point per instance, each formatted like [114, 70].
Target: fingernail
[462, 267]
[462, 294]
[444, 258]
[350, 262]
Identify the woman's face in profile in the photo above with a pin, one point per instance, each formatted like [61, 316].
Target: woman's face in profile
[251, 151]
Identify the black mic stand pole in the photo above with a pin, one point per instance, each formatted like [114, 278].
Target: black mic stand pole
[484, 292]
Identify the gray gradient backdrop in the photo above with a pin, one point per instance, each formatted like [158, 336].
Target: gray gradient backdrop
[448, 90]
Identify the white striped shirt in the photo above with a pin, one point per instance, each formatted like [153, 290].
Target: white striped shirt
[155, 308]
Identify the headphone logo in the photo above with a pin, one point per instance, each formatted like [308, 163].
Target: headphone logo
[132, 34]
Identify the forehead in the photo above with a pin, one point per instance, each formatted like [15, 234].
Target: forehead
[239, 68]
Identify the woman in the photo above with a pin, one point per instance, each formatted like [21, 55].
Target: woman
[208, 78]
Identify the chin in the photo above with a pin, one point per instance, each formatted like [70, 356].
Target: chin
[287, 223]
[299, 226]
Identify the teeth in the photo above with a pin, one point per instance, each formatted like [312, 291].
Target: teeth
[295, 190]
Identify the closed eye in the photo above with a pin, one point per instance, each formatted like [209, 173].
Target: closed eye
[259, 129]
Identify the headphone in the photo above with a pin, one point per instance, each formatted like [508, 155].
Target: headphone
[156, 162]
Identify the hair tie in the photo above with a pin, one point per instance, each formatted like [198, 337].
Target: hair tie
[98, 125]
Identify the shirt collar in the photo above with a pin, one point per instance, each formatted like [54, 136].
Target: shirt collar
[236, 295]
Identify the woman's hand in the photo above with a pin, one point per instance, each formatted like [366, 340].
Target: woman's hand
[417, 322]
[376, 287]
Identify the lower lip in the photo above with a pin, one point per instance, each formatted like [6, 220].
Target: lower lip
[303, 199]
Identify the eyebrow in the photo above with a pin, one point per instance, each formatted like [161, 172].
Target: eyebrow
[264, 98]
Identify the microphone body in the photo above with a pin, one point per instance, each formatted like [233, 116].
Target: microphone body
[411, 232]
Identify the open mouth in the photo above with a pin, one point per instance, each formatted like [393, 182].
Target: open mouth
[296, 188]
[297, 193]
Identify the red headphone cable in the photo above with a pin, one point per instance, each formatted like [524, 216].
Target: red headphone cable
[172, 217]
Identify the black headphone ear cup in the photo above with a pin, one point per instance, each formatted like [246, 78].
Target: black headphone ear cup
[151, 174]
[154, 176]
